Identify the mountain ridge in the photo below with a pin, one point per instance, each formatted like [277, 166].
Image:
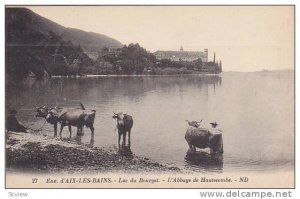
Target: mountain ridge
[33, 47]
[89, 41]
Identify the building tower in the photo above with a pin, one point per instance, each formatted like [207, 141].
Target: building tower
[205, 55]
[214, 57]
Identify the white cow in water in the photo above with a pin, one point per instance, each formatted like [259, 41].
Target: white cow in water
[204, 138]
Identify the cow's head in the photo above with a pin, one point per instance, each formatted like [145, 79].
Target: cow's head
[41, 111]
[119, 117]
[52, 116]
[214, 124]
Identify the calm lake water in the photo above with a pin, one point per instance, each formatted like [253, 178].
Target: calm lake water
[254, 110]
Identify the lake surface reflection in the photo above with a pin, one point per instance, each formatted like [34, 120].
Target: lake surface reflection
[254, 110]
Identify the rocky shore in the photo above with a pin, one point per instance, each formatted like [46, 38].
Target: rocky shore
[33, 152]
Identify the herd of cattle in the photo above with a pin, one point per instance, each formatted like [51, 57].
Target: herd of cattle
[195, 136]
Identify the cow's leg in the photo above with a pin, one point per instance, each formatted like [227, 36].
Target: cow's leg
[55, 130]
[119, 140]
[129, 141]
[222, 151]
[70, 130]
[192, 148]
[220, 148]
[211, 150]
[124, 139]
[78, 131]
[92, 140]
[92, 130]
[61, 128]
[79, 140]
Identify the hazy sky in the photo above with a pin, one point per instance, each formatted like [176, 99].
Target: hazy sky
[244, 38]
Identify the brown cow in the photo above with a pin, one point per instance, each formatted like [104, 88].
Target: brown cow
[124, 125]
[53, 114]
[78, 118]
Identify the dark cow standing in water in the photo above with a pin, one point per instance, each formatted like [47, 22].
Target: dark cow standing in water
[78, 118]
[124, 125]
[204, 138]
[67, 117]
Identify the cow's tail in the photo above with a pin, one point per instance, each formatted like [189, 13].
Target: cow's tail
[92, 116]
[81, 105]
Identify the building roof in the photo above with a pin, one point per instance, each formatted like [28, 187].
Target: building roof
[184, 54]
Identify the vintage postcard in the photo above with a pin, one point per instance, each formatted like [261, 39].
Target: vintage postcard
[149, 96]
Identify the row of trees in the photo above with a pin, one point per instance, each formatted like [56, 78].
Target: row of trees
[133, 59]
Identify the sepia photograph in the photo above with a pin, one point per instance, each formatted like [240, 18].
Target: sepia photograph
[152, 96]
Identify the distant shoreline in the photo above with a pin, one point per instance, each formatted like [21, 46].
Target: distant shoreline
[175, 75]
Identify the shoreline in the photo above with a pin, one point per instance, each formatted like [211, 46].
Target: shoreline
[170, 75]
[34, 152]
[166, 75]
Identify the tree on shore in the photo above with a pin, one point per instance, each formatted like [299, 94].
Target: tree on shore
[132, 59]
[199, 64]
[127, 66]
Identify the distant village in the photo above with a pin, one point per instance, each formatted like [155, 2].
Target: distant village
[159, 62]
[192, 56]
